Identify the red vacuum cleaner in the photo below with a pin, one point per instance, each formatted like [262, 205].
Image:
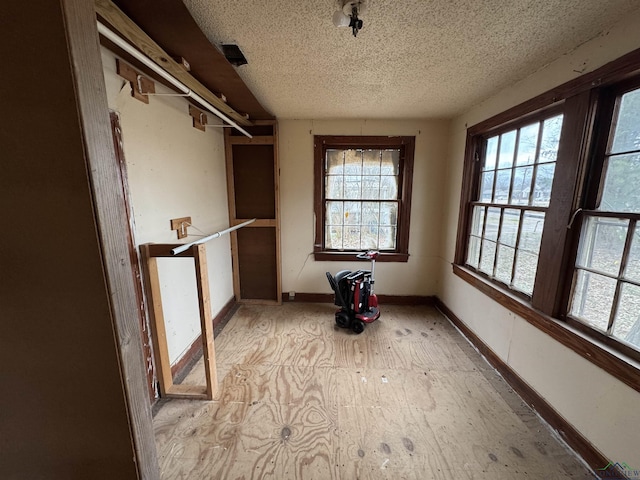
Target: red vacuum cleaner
[354, 295]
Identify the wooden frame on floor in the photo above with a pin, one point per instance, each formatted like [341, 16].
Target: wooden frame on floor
[150, 254]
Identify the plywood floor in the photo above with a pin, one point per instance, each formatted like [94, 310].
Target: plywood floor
[407, 399]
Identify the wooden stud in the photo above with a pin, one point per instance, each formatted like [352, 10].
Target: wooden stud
[156, 317]
[206, 322]
[231, 196]
[276, 178]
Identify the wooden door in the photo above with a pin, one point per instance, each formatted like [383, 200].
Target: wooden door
[135, 261]
[252, 185]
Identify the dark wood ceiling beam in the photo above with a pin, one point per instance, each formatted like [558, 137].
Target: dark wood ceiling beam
[129, 30]
[171, 25]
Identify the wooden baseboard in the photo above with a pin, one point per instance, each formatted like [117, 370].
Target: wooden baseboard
[383, 299]
[406, 300]
[184, 364]
[592, 456]
[308, 297]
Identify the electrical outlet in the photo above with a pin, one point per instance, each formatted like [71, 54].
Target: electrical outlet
[292, 296]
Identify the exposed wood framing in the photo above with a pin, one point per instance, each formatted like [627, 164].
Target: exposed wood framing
[112, 224]
[273, 223]
[137, 37]
[150, 254]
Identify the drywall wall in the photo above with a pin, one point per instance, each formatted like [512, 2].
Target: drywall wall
[602, 408]
[174, 170]
[300, 272]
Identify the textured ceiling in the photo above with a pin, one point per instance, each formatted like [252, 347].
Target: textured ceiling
[412, 59]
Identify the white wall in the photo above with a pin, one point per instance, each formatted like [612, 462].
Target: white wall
[300, 272]
[602, 408]
[174, 171]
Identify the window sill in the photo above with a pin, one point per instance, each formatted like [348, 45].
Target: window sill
[329, 256]
[622, 367]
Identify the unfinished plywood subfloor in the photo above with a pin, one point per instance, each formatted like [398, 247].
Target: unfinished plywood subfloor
[407, 399]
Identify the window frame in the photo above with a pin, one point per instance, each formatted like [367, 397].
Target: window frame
[480, 140]
[594, 180]
[406, 145]
[584, 102]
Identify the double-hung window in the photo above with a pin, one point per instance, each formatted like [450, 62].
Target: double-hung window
[363, 196]
[511, 201]
[606, 283]
[549, 221]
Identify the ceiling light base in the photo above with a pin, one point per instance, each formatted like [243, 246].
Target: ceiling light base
[349, 13]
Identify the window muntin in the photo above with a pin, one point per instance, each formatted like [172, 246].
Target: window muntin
[508, 215]
[362, 188]
[606, 285]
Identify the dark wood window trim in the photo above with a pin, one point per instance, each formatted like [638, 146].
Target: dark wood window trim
[580, 100]
[407, 145]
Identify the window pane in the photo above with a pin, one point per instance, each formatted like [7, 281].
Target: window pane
[602, 243]
[551, 130]
[486, 187]
[505, 263]
[390, 162]
[544, 180]
[353, 162]
[509, 231]
[531, 234]
[371, 188]
[371, 162]
[388, 188]
[627, 133]
[334, 186]
[528, 144]
[474, 251]
[593, 298]
[352, 187]
[351, 238]
[369, 237]
[521, 185]
[503, 182]
[525, 274]
[387, 238]
[493, 221]
[488, 256]
[352, 213]
[477, 221]
[632, 272]
[333, 237]
[627, 322]
[388, 213]
[492, 152]
[507, 149]
[621, 192]
[334, 214]
[335, 160]
[370, 213]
